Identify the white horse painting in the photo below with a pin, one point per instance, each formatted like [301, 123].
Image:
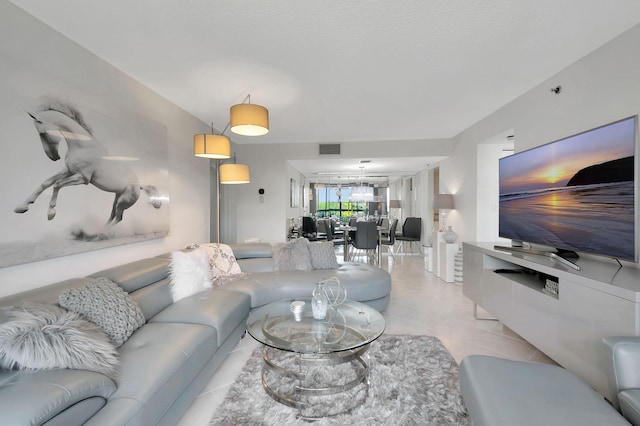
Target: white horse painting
[86, 162]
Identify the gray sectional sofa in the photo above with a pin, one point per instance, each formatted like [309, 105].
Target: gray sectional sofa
[166, 362]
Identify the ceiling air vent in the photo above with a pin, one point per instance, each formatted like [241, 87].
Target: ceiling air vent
[329, 149]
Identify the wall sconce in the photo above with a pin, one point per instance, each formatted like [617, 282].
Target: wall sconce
[443, 202]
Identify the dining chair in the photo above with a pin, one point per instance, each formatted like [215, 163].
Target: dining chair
[310, 230]
[411, 232]
[336, 240]
[322, 225]
[391, 237]
[366, 238]
[384, 224]
[337, 233]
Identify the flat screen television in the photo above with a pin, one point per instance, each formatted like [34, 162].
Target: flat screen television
[576, 194]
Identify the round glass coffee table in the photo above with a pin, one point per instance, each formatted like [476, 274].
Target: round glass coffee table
[319, 367]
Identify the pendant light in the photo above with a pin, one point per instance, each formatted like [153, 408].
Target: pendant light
[249, 119]
[234, 174]
[245, 119]
[211, 145]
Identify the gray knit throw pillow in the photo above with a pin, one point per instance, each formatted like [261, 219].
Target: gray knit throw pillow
[39, 336]
[323, 255]
[107, 305]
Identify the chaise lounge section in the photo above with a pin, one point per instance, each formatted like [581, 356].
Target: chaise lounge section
[364, 283]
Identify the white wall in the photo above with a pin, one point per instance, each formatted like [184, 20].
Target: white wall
[244, 216]
[487, 188]
[600, 88]
[25, 40]
[424, 205]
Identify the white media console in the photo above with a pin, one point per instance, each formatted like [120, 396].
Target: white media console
[599, 300]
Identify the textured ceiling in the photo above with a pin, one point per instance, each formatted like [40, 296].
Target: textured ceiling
[340, 71]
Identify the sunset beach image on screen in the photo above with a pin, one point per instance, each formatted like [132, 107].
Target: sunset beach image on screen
[577, 193]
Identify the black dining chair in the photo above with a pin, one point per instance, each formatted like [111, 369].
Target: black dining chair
[411, 232]
[366, 238]
[321, 228]
[337, 233]
[391, 236]
[310, 230]
[336, 240]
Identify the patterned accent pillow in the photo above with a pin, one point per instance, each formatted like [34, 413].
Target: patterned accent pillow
[222, 261]
[39, 336]
[104, 303]
[323, 255]
[292, 256]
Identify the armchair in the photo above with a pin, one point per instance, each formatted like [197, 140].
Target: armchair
[623, 372]
[500, 391]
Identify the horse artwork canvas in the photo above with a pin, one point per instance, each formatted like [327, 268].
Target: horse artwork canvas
[136, 187]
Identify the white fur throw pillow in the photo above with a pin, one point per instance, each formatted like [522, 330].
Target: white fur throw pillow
[292, 256]
[189, 273]
[104, 303]
[39, 336]
[323, 255]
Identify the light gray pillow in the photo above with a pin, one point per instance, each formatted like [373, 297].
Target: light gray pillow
[104, 303]
[292, 256]
[39, 336]
[323, 255]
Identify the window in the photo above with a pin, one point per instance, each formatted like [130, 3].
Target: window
[332, 200]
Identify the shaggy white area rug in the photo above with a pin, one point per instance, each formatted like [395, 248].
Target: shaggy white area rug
[413, 381]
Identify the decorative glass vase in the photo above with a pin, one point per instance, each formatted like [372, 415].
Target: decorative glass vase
[319, 302]
[449, 236]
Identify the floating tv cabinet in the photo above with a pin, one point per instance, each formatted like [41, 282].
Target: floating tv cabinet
[599, 300]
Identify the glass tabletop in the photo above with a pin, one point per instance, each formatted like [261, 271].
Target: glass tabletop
[348, 326]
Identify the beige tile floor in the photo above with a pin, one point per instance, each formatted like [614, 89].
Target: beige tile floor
[422, 304]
